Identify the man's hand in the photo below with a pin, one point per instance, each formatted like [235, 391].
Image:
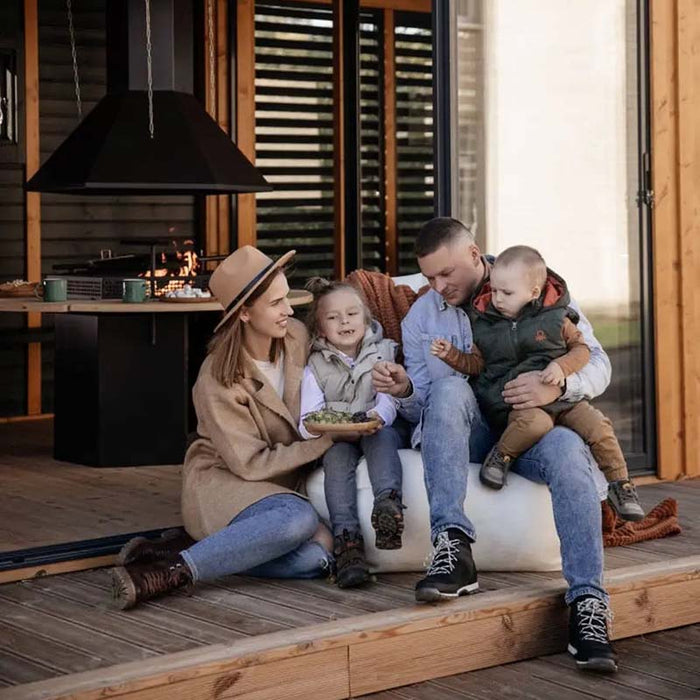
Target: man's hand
[391, 378]
[553, 374]
[528, 391]
[440, 348]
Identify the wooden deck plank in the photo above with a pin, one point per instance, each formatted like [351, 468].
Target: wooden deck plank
[554, 678]
[16, 670]
[90, 617]
[162, 620]
[521, 615]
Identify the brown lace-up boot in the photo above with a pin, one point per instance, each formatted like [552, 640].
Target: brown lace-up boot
[167, 547]
[136, 583]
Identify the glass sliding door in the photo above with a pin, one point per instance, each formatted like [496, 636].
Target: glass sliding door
[551, 131]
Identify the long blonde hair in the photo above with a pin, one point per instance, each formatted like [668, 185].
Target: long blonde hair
[227, 342]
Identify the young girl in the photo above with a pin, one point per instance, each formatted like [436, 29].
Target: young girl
[346, 343]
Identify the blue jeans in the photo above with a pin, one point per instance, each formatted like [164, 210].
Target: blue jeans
[453, 425]
[383, 465]
[271, 538]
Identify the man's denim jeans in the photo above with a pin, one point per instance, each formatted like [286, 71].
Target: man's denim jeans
[271, 538]
[383, 465]
[454, 433]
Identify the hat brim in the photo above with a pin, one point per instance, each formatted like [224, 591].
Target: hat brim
[279, 263]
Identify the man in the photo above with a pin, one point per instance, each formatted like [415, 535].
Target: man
[451, 432]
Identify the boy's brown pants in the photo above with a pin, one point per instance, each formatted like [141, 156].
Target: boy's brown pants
[527, 426]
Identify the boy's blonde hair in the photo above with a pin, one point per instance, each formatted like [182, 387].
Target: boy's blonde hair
[531, 258]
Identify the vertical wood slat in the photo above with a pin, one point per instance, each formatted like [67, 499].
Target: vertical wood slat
[211, 210]
[688, 37]
[222, 116]
[245, 111]
[390, 173]
[675, 76]
[32, 213]
[338, 141]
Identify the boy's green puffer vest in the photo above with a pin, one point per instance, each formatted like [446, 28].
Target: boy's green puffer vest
[513, 346]
[345, 388]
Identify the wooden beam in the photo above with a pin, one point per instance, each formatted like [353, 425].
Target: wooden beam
[32, 202]
[222, 116]
[391, 242]
[338, 142]
[688, 37]
[211, 207]
[665, 244]
[61, 567]
[245, 111]
[377, 651]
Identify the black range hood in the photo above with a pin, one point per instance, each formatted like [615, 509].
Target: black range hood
[112, 150]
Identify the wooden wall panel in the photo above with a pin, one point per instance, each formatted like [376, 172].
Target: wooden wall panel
[390, 172]
[688, 37]
[675, 114]
[245, 111]
[32, 206]
[338, 141]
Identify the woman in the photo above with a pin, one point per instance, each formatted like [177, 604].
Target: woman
[242, 476]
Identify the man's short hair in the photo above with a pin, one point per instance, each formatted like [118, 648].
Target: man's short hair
[438, 232]
[531, 258]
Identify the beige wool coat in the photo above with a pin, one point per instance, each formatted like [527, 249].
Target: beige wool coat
[248, 445]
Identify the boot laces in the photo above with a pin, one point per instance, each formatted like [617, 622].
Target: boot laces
[445, 555]
[594, 620]
[162, 578]
[625, 491]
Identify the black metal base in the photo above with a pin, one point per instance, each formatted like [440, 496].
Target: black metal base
[122, 388]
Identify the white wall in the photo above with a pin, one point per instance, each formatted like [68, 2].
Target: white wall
[556, 139]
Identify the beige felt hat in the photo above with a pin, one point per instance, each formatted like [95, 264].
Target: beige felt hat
[240, 274]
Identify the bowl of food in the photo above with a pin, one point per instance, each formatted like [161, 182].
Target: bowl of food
[328, 420]
[18, 288]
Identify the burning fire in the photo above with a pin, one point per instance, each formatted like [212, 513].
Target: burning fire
[188, 262]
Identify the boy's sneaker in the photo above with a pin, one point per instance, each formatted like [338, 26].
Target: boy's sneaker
[589, 642]
[351, 567]
[622, 496]
[387, 521]
[452, 571]
[495, 468]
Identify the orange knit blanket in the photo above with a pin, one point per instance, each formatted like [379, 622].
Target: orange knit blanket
[389, 303]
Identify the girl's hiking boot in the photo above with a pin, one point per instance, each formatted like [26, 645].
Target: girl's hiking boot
[351, 567]
[136, 583]
[387, 521]
[622, 497]
[495, 468]
[452, 571]
[589, 641]
[140, 550]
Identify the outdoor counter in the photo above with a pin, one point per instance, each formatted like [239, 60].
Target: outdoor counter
[123, 376]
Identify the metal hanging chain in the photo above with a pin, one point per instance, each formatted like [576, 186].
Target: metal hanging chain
[212, 74]
[76, 77]
[149, 68]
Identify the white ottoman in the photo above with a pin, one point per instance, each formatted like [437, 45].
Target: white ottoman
[514, 527]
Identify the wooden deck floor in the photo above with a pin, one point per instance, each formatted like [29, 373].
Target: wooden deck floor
[63, 624]
[46, 502]
[660, 665]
